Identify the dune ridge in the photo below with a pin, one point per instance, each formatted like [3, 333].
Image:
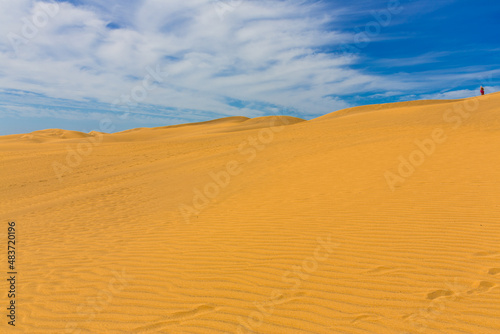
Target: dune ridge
[376, 219]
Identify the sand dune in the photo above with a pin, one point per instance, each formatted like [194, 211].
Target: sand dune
[377, 219]
[375, 107]
[49, 135]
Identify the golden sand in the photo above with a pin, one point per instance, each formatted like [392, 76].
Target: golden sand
[377, 219]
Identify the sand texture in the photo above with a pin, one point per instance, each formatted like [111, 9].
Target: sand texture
[376, 219]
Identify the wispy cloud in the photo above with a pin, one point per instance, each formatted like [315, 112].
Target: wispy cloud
[269, 55]
[431, 57]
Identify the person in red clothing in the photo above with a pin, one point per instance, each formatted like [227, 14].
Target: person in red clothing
[482, 90]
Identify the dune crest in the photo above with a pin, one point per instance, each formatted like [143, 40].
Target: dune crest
[385, 106]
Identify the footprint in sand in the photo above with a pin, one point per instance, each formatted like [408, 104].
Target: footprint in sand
[439, 293]
[494, 271]
[483, 286]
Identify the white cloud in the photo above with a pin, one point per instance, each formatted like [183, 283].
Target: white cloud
[265, 52]
[259, 51]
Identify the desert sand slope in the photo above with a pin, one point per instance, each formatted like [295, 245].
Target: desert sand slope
[48, 135]
[383, 221]
[371, 108]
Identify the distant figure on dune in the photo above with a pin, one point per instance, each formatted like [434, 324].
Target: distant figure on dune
[482, 90]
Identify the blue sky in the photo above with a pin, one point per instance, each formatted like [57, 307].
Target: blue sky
[74, 64]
